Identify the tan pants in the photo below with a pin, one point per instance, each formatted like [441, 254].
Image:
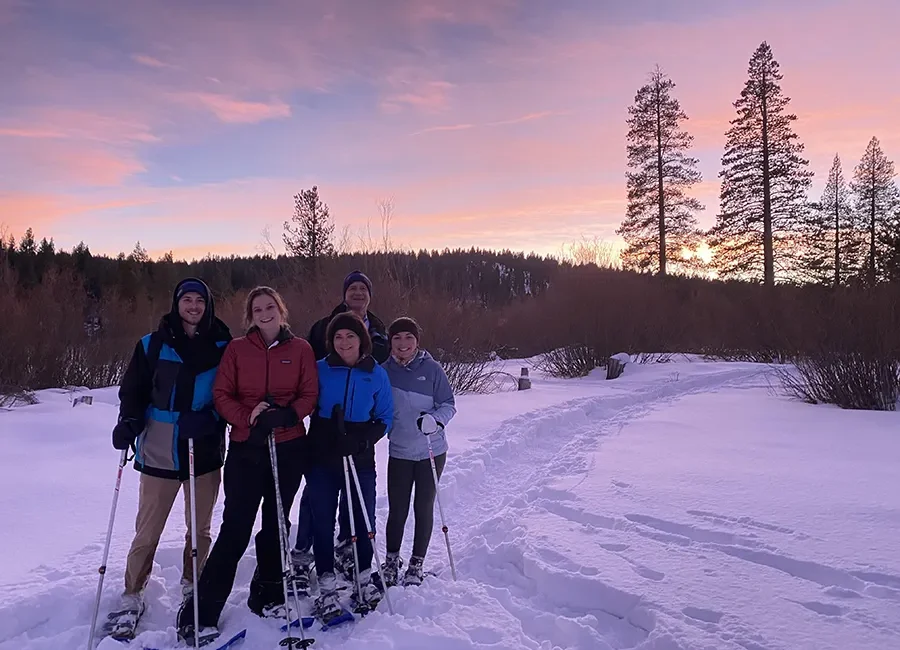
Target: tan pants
[155, 500]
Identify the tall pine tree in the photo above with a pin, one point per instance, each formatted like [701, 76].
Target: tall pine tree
[661, 220]
[876, 198]
[764, 179]
[831, 242]
[311, 234]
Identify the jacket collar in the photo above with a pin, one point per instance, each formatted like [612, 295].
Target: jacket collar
[366, 364]
[284, 335]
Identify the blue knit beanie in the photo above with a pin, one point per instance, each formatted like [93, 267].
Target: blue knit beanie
[357, 276]
[189, 285]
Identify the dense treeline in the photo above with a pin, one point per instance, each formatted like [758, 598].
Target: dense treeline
[71, 318]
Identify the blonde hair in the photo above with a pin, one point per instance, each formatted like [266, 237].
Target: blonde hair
[263, 291]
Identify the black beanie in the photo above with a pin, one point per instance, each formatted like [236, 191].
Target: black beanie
[349, 321]
[357, 276]
[404, 324]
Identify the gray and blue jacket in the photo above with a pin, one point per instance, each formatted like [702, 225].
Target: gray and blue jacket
[421, 385]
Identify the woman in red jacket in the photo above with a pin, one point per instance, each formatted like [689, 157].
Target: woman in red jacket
[267, 382]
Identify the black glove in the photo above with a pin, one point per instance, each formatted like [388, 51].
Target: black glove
[351, 445]
[125, 432]
[277, 417]
[197, 424]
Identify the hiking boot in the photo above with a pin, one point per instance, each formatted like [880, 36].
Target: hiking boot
[328, 604]
[343, 559]
[303, 564]
[415, 573]
[121, 623]
[390, 570]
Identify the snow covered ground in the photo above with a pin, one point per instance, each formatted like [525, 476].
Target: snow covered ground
[683, 506]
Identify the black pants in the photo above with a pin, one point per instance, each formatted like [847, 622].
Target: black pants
[402, 476]
[247, 481]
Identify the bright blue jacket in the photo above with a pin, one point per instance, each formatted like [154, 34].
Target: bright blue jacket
[364, 393]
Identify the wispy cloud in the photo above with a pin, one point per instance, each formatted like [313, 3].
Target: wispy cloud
[74, 124]
[530, 117]
[152, 62]
[236, 111]
[431, 96]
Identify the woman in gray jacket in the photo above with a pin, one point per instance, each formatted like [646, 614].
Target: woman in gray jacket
[421, 391]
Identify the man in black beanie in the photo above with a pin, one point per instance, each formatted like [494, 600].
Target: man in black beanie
[357, 294]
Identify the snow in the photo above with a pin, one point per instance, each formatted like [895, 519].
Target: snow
[683, 506]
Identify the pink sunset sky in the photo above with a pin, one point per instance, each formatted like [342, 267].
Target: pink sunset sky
[494, 123]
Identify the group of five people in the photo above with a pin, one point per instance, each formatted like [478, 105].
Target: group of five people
[355, 380]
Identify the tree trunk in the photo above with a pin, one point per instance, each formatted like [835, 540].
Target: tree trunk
[768, 252]
[872, 276]
[659, 173]
[837, 239]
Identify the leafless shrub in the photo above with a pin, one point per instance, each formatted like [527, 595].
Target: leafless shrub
[848, 380]
[571, 361]
[11, 396]
[468, 371]
[652, 357]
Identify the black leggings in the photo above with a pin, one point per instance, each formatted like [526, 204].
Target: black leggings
[402, 475]
[248, 481]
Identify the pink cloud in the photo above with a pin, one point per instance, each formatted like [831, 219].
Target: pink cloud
[430, 96]
[76, 124]
[151, 62]
[236, 111]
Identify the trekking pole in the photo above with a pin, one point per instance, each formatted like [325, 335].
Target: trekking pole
[437, 493]
[112, 516]
[352, 527]
[338, 414]
[194, 540]
[287, 569]
[362, 506]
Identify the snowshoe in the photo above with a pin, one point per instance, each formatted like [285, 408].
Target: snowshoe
[372, 591]
[415, 573]
[207, 635]
[122, 623]
[327, 607]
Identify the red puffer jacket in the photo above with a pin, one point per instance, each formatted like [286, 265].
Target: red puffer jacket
[285, 371]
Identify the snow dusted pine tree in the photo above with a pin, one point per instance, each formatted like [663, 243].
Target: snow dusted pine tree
[312, 236]
[764, 180]
[831, 242]
[661, 220]
[877, 199]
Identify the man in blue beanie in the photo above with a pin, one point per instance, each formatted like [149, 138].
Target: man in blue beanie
[357, 294]
[166, 398]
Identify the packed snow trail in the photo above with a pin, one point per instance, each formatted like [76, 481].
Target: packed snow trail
[600, 515]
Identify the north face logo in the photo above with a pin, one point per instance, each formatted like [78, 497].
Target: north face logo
[286, 361]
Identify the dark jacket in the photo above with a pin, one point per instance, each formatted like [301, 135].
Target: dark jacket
[167, 390]
[363, 394]
[381, 347]
[284, 372]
